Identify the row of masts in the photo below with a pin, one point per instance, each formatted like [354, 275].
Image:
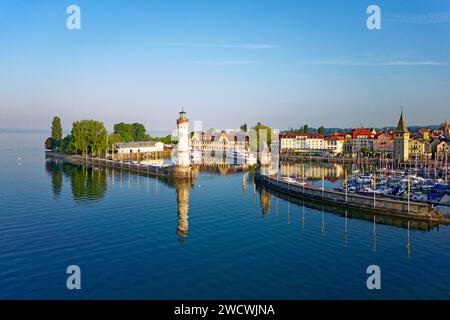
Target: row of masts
[374, 180]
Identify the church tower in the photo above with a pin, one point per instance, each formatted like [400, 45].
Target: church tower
[183, 140]
[401, 141]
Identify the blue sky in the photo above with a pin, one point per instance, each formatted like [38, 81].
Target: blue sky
[284, 63]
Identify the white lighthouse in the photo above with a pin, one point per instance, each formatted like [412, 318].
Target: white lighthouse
[183, 140]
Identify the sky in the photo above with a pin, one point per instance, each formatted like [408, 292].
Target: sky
[226, 62]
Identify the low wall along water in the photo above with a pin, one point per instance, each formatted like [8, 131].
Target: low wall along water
[379, 204]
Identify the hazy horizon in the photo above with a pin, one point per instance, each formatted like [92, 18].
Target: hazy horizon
[164, 132]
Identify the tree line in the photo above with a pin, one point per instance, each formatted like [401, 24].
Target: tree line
[90, 137]
[306, 129]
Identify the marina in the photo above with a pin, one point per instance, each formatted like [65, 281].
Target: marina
[381, 205]
[418, 185]
[151, 224]
[397, 184]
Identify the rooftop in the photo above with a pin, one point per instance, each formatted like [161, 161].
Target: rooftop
[136, 144]
[401, 126]
[308, 135]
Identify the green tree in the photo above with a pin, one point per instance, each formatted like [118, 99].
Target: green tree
[166, 140]
[321, 130]
[67, 144]
[125, 130]
[131, 132]
[244, 127]
[139, 132]
[80, 137]
[114, 138]
[365, 151]
[56, 132]
[89, 136]
[49, 144]
[305, 129]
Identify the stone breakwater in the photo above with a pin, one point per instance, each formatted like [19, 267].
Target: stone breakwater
[379, 204]
[168, 172]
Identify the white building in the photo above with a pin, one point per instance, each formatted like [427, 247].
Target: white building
[138, 147]
[220, 141]
[334, 144]
[301, 142]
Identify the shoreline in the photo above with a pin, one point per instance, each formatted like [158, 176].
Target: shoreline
[167, 172]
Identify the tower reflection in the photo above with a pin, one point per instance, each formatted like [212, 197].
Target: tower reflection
[183, 188]
[264, 197]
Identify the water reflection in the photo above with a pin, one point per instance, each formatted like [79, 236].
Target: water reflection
[54, 168]
[183, 188]
[264, 197]
[374, 237]
[331, 171]
[87, 183]
[345, 225]
[267, 194]
[313, 171]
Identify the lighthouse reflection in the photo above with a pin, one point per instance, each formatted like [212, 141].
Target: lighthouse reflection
[183, 188]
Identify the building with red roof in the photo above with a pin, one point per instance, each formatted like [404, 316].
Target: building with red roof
[301, 142]
[384, 143]
[358, 139]
[335, 143]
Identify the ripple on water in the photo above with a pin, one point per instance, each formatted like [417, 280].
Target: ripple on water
[122, 231]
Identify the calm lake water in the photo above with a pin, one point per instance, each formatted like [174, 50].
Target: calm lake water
[144, 238]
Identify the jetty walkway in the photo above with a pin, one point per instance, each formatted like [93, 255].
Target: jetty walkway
[168, 171]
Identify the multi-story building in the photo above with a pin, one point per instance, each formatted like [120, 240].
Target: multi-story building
[335, 143]
[359, 139]
[301, 142]
[419, 148]
[384, 143]
[220, 141]
[440, 149]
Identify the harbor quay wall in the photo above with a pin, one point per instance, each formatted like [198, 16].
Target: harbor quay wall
[169, 172]
[381, 205]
